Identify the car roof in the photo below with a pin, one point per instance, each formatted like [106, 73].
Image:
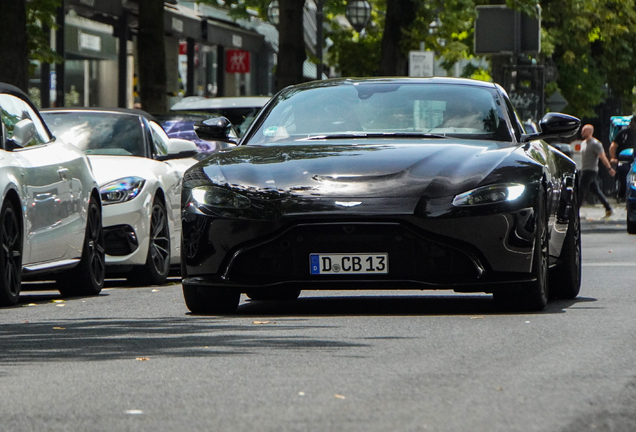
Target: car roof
[196, 102]
[393, 80]
[129, 111]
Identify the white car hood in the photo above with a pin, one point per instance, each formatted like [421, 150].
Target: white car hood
[110, 168]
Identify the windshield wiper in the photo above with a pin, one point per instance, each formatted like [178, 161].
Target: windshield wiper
[355, 135]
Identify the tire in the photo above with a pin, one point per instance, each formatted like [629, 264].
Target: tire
[269, 294]
[210, 300]
[10, 255]
[155, 270]
[631, 225]
[87, 278]
[565, 279]
[532, 296]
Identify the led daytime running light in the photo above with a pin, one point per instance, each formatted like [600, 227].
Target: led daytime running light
[122, 190]
[489, 195]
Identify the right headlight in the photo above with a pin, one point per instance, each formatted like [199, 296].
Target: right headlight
[219, 197]
[122, 190]
[489, 195]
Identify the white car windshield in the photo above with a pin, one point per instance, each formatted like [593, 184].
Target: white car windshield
[98, 132]
[384, 109]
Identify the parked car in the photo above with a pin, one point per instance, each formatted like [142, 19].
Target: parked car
[139, 171]
[384, 184]
[181, 125]
[240, 110]
[50, 219]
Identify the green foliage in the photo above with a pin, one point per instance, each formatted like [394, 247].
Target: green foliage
[41, 13]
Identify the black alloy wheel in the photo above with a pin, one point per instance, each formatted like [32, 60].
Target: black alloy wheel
[157, 267]
[10, 255]
[87, 279]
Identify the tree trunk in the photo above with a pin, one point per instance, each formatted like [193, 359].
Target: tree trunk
[400, 14]
[291, 44]
[152, 57]
[14, 55]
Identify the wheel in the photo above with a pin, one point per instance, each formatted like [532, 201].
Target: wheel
[210, 299]
[631, 225]
[268, 294]
[10, 255]
[157, 266]
[87, 278]
[565, 279]
[532, 296]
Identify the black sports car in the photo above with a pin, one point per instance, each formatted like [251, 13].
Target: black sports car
[383, 184]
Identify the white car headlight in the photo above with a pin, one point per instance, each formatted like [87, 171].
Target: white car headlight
[121, 190]
[489, 195]
[215, 196]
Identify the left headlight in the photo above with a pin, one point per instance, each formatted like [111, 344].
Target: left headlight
[122, 190]
[490, 194]
[219, 197]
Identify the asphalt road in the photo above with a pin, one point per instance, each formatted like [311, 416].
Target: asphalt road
[134, 359]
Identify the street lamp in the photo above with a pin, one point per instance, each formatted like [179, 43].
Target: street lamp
[358, 12]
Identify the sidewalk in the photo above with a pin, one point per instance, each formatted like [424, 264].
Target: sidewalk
[593, 216]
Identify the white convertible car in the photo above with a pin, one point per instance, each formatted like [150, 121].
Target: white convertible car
[139, 171]
[50, 219]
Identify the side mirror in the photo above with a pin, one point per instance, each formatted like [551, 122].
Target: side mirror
[626, 155]
[216, 129]
[23, 133]
[180, 148]
[555, 125]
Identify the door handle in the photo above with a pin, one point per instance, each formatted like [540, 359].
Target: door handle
[63, 172]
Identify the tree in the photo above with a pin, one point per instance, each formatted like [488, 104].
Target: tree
[400, 15]
[152, 57]
[13, 44]
[291, 44]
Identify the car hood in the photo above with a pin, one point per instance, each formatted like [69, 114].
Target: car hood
[109, 168]
[441, 168]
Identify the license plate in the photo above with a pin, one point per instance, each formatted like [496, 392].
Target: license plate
[376, 263]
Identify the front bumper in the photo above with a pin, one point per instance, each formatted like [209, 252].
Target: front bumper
[477, 253]
[123, 222]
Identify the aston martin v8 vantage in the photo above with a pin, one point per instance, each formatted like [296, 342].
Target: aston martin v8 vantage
[383, 184]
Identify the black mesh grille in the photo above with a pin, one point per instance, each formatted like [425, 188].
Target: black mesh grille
[411, 257]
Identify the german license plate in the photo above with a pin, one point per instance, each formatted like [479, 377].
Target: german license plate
[375, 263]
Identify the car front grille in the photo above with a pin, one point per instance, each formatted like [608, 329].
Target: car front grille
[412, 257]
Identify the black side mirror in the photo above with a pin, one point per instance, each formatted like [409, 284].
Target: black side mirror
[215, 129]
[555, 125]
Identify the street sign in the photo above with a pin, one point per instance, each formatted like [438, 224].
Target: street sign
[556, 102]
[421, 63]
[237, 61]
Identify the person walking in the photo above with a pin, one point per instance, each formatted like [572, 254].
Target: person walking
[589, 168]
[625, 138]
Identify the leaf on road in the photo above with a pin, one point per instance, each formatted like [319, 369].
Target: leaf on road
[142, 358]
[59, 328]
[261, 322]
[155, 290]
[60, 305]
[56, 301]
[301, 393]
[133, 411]
[477, 317]
[338, 396]
[29, 305]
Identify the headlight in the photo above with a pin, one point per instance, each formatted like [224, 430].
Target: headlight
[632, 179]
[121, 190]
[489, 195]
[219, 197]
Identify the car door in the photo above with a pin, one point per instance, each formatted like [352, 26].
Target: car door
[44, 182]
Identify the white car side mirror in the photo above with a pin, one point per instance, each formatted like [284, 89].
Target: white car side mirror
[23, 133]
[180, 148]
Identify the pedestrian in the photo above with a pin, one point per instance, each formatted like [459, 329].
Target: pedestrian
[624, 139]
[589, 168]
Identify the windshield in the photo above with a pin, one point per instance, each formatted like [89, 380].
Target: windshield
[384, 109]
[98, 132]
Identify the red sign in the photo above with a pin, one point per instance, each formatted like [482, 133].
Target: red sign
[237, 61]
